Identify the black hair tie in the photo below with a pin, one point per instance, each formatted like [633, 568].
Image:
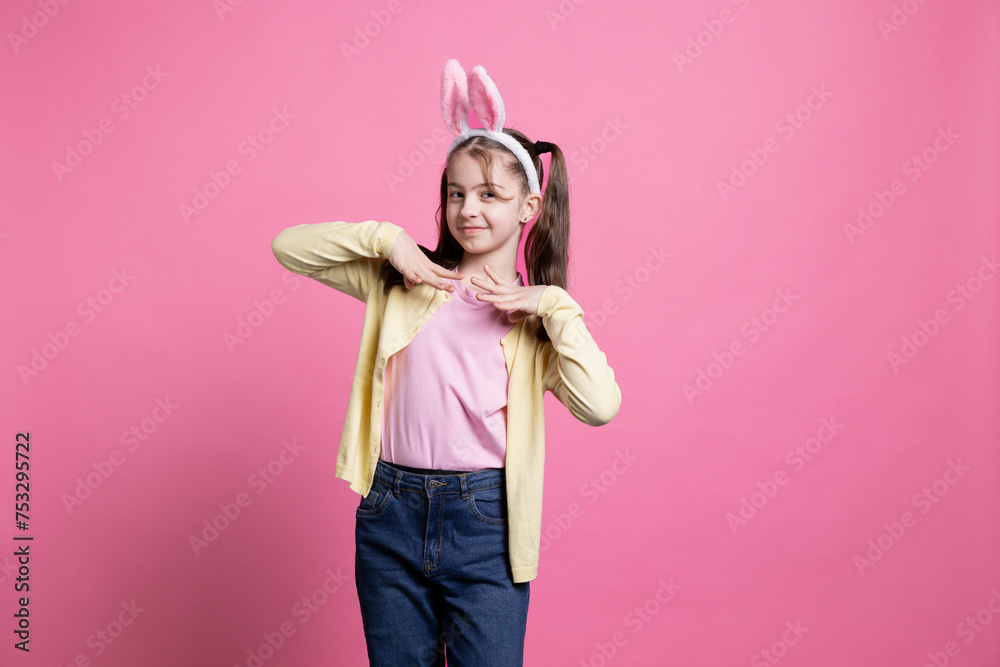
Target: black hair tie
[542, 147]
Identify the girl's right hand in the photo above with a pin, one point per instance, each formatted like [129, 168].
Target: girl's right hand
[416, 267]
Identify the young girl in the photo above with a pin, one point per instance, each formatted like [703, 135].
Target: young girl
[444, 431]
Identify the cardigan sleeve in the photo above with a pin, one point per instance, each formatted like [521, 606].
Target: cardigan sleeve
[344, 255]
[577, 371]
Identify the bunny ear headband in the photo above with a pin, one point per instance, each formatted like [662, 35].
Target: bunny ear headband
[456, 94]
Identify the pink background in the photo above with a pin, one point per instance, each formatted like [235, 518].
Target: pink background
[650, 563]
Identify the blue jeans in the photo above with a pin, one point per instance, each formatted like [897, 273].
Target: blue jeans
[432, 571]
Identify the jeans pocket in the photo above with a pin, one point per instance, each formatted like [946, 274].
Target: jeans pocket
[489, 505]
[376, 501]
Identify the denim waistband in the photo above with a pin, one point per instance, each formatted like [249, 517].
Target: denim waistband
[458, 482]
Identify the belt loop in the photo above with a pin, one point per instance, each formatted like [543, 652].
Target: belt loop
[395, 485]
[463, 487]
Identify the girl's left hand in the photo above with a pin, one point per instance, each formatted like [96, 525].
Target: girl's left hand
[520, 301]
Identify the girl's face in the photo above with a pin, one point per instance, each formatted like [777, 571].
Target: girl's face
[477, 218]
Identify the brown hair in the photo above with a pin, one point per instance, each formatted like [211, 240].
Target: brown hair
[546, 249]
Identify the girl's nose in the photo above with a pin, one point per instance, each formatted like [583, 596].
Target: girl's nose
[469, 207]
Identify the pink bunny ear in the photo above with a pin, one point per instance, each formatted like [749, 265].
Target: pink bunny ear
[485, 99]
[455, 97]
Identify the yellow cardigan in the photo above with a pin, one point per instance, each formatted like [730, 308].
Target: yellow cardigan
[347, 257]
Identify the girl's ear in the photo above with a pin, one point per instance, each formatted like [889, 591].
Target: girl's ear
[532, 205]
[455, 97]
[485, 99]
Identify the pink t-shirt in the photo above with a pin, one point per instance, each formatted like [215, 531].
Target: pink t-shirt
[445, 393]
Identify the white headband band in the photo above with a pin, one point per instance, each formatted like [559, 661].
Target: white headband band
[458, 91]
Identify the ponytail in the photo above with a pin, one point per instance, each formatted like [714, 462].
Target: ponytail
[546, 250]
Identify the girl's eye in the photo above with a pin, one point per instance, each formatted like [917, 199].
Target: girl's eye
[488, 193]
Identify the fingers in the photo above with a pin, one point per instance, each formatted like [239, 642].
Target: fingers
[514, 304]
[441, 271]
[416, 267]
[432, 274]
[494, 287]
[496, 277]
[501, 301]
